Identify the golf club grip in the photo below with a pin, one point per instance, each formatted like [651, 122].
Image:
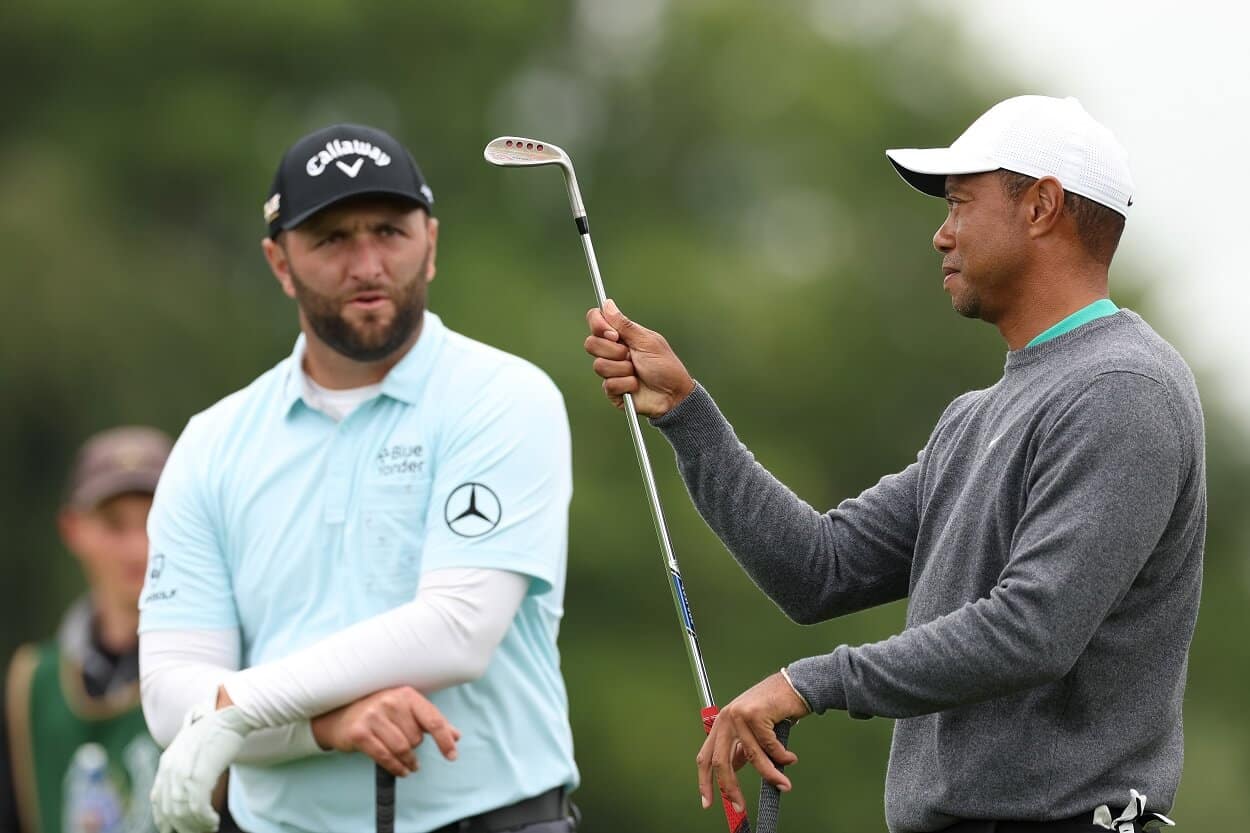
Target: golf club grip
[770, 797]
[738, 822]
[385, 787]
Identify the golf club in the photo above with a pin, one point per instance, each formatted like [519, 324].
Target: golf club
[384, 787]
[517, 152]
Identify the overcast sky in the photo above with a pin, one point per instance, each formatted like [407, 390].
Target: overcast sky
[1173, 82]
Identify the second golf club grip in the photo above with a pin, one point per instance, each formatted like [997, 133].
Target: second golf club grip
[770, 797]
[738, 822]
[384, 784]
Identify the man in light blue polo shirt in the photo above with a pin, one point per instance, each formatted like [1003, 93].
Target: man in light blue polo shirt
[380, 516]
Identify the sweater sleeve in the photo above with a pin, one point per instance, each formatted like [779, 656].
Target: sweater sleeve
[814, 565]
[1100, 493]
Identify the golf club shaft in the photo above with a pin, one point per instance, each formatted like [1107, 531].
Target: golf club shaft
[697, 666]
[509, 151]
[770, 796]
[384, 788]
[738, 821]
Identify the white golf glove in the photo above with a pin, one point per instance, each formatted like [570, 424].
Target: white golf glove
[206, 744]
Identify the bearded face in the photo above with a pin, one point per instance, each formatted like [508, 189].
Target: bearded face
[365, 322]
[359, 272]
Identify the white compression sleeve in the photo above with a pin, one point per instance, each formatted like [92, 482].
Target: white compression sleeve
[183, 669]
[443, 637]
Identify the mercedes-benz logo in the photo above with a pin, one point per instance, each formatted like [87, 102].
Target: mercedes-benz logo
[472, 509]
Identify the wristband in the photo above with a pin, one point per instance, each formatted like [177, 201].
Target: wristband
[786, 676]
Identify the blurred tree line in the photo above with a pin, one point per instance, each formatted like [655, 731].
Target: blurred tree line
[731, 157]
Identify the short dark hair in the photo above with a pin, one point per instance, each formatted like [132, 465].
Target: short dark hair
[1098, 226]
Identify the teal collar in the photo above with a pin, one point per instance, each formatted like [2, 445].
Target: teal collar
[1098, 309]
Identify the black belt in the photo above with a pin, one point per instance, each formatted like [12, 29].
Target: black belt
[1078, 824]
[553, 805]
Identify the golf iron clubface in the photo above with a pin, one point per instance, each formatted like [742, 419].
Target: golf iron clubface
[518, 152]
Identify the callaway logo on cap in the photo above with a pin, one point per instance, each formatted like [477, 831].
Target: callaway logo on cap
[355, 147]
[338, 162]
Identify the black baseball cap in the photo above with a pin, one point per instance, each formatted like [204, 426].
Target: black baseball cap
[337, 162]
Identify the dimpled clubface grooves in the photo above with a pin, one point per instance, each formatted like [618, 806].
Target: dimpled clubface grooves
[513, 150]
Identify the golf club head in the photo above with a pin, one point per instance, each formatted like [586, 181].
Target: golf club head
[519, 152]
[515, 151]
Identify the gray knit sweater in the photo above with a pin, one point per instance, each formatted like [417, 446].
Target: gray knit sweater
[1049, 539]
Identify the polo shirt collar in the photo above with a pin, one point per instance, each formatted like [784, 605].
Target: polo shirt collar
[403, 382]
[293, 384]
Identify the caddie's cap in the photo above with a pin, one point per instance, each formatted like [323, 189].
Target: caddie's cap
[1034, 135]
[116, 462]
[337, 162]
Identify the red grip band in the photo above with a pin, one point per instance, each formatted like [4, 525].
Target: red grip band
[738, 822]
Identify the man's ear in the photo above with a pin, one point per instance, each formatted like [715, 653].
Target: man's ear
[431, 265]
[279, 264]
[1044, 201]
[69, 523]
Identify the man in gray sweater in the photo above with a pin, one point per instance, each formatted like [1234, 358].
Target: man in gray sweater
[1048, 537]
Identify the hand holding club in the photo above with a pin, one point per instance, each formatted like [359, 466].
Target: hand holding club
[744, 733]
[632, 359]
[387, 726]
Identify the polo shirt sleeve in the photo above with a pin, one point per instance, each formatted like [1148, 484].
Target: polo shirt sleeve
[188, 583]
[503, 481]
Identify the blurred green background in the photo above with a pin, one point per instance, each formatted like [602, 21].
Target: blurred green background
[730, 154]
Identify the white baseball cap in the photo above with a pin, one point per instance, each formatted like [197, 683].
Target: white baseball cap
[1034, 135]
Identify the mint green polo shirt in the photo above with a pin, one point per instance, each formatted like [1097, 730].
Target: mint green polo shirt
[274, 519]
